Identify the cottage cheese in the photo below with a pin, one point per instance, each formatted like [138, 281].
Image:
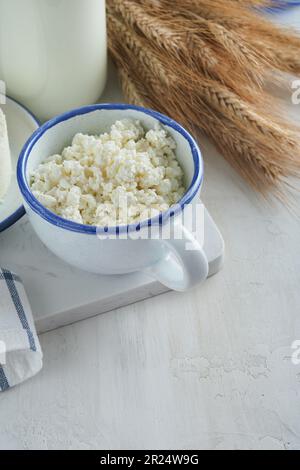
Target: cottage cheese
[116, 178]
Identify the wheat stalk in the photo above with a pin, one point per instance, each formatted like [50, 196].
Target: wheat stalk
[264, 172]
[157, 46]
[194, 42]
[130, 89]
[216, 95]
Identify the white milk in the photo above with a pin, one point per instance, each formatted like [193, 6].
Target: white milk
[53, 53]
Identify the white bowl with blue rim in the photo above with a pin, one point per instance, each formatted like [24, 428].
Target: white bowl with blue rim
[115, 250]
[21, 123]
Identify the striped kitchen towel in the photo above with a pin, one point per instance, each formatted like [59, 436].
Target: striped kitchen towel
[20, 352]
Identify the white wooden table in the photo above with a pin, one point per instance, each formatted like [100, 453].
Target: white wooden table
[210, 369]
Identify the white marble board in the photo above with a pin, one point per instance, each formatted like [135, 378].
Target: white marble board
[60, 294]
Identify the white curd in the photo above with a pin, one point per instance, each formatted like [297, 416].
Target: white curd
[120, 177]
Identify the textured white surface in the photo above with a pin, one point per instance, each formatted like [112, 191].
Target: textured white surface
[207, 369]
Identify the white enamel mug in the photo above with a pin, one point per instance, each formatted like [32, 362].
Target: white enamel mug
[117, 250]
[53, 53]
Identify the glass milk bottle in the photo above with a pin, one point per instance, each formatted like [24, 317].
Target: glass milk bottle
[53, 53]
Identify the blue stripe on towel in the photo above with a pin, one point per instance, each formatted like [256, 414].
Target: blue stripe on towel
[9, 279]
[31, 340]
[7, 275]
[4, 385]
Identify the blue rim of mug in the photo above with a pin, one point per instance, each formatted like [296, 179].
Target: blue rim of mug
[20, 212]
[58, 221]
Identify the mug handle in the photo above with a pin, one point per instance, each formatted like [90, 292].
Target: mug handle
[181, 269]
